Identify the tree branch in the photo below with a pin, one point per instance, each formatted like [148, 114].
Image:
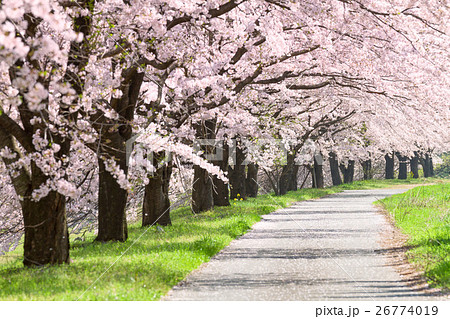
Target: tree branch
[14, 129]
[308, 87]
[212, 13]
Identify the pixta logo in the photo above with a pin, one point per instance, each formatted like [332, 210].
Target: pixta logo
[212, 150]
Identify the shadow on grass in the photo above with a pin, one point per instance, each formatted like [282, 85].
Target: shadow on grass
[159, 258]
[433, 255]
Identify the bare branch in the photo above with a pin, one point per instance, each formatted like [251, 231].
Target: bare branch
[309, 86]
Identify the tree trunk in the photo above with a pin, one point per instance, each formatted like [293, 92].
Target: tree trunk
[287, 174]
[367, 169]
[414, 164]
[430, 165]
[292, 179]
[251, 182]
[317, 172]
[427, 164]
[112, 200]
[389, 168]
[425, 168]
[202, 189]
[46, 234]
[403, 166]
[348, 171]
[334, 167]
[156, 205]
[236, 174]
[221, 192]
[45, 222]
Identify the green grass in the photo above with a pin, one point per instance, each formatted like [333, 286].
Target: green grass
[153, 261]
[423, 213]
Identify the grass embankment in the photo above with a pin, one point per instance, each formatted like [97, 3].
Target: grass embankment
[153, 259]
[423, 213]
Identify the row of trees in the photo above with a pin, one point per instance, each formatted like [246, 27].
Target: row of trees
[82, 80]
[348, 170]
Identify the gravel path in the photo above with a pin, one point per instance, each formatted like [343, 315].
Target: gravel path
[326, 249]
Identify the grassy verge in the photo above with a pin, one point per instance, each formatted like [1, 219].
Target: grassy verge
[423, 213]
[154, 259]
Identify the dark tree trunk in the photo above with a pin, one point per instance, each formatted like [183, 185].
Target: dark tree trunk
[288, 173]
[414, 164]
[389, 168]
[317, 172]
[367, 169]
[403, 166]
[221, 192]
[348, 171]
[112, 200]
[292, 179]
[202, 189]
[251, 182]
[156, 205]
[46, 234]
[334, 167]
[45, 222]
[236, 174]
[426, 171]
[403, 170]
[430, 165]
[427, 165]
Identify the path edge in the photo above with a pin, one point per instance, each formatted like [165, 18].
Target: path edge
[394, 246]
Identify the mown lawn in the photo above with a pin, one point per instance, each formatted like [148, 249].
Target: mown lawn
[423, 213]
[153, 259]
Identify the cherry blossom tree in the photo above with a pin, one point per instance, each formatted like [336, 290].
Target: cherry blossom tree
[38, 41]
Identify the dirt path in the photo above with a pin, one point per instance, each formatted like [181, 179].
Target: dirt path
[326, 249]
